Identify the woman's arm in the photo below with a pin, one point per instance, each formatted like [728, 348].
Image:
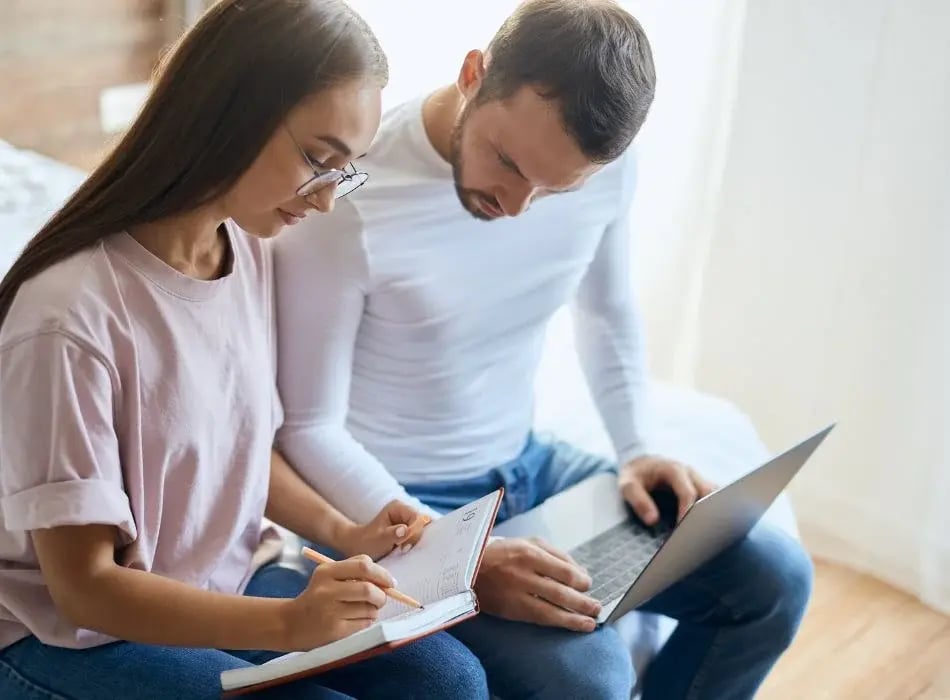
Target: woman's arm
[92, 591]
[292, 504]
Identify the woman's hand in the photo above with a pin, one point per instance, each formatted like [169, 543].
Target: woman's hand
[342, 598]
[396, 526]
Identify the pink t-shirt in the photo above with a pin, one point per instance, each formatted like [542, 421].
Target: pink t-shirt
[135, 396]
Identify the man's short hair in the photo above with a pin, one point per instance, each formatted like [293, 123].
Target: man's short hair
[589, 56]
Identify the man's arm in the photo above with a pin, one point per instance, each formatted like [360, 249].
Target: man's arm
[321, 276]
[609, 334]
[611, 347]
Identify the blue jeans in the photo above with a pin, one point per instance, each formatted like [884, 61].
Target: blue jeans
[436, 667]
[736, 614]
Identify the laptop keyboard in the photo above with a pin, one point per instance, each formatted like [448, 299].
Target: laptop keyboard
[617, 556]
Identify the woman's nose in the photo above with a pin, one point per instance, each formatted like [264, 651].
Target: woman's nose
[322, 200]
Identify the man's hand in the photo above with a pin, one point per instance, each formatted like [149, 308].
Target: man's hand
[531, 581]
[645, 474]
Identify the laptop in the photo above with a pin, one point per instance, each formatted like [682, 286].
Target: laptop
[630, 562]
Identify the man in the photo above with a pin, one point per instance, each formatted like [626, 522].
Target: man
[410, 329]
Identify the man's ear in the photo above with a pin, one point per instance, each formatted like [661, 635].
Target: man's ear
[471, 75]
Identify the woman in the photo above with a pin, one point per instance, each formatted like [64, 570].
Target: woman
[137, 400]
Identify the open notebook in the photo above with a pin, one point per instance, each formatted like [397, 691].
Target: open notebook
[439, 572]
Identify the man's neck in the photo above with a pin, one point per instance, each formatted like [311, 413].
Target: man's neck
[439, 114]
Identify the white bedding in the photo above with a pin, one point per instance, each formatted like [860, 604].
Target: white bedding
[31, 187]
[705, 431]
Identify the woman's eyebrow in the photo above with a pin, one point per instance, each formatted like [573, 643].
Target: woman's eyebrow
[337, 145]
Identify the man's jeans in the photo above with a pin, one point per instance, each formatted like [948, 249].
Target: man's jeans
[736, 614]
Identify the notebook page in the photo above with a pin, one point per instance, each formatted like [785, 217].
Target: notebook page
[437, 567]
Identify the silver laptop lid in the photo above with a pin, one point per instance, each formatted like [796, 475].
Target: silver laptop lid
[717, 521]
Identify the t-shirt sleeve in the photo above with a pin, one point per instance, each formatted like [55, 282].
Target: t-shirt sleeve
[59, 453]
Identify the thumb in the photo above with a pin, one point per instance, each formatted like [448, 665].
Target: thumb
[396, 533]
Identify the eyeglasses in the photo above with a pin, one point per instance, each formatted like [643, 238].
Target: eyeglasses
[346, 180]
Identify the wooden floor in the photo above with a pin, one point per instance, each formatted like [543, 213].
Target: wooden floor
[863, 640]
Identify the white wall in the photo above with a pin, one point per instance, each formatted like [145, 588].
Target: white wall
[827, 285]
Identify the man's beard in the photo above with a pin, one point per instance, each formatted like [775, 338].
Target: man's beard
[468, 197]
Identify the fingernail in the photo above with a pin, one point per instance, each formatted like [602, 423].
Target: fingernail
[406, 548]
[401, 531]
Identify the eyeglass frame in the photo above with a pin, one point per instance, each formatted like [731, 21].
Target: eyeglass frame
[342, 174]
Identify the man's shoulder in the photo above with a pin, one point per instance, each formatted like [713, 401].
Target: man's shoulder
[401, 155]
[331, 239]
[618, 172]
[394, 138]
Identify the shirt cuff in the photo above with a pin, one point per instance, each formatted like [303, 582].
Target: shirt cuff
[80, 502]
[631, 453]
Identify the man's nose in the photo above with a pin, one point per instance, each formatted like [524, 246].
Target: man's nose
[515, 200]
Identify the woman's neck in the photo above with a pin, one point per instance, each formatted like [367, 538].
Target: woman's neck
[195, 244]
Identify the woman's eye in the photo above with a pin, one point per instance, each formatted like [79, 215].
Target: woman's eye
[316, 161]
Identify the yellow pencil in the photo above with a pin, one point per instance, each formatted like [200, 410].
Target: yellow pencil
[418, 524]
[391, 592]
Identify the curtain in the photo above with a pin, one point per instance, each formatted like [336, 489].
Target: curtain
[809, 265]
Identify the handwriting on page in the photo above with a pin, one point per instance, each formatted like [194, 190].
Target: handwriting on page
[436, 567]
[466, 522]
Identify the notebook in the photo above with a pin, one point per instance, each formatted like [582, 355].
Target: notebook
[439, 572]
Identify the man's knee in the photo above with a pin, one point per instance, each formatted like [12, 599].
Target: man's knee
[438, 667]
[590, 666]
[461, 677]
[780, 576]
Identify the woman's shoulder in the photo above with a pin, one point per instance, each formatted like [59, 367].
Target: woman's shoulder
[74, 296]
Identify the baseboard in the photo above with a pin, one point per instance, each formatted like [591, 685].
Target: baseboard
[873, 541]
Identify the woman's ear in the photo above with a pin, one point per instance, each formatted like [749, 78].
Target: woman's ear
[471, 75]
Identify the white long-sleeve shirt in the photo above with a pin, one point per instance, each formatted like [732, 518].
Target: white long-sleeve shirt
[409, 333]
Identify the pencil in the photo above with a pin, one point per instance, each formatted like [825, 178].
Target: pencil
[418, 524]
[391, 592]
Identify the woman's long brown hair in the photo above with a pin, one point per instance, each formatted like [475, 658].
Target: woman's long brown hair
[217, 98]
